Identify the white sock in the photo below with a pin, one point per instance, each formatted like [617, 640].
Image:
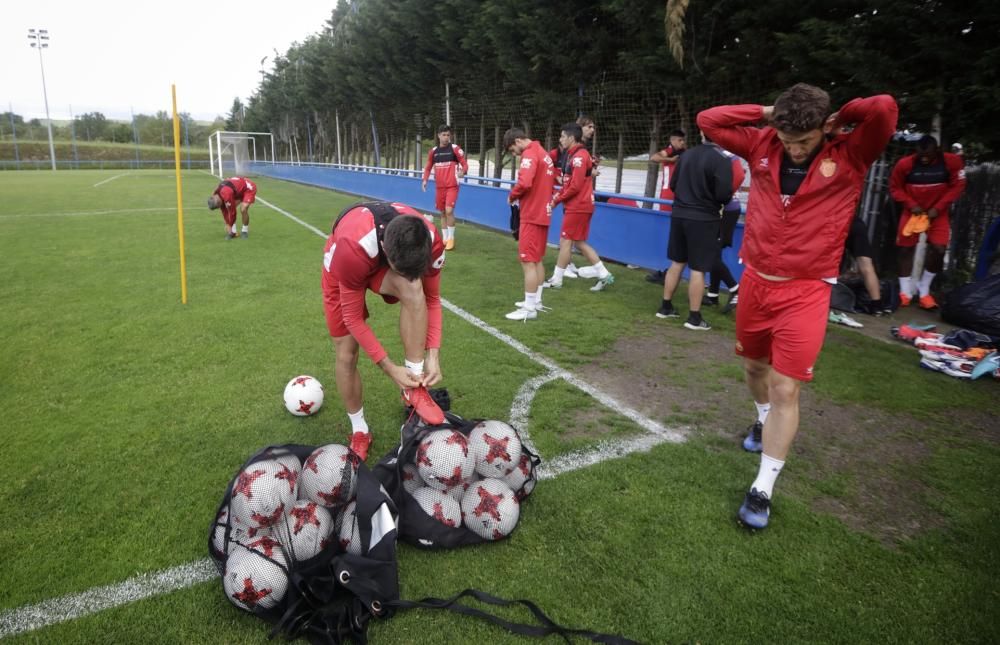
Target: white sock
[557, 274]
[246, 229]
[762, 410]
[770, 468]
[530, 300]
[601, 271]
[449, 233]
[570, 267]
[358, 423]
[417, 367]
[234, 229]
[906, 285]
[711, 295]
[924, 286]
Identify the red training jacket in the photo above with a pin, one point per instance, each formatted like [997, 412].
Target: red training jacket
[803, 236]
[351, 256]
[577, 194]
[229, 197]
[921, 187]
[535, 180]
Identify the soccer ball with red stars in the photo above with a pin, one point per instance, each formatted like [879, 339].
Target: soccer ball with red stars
[490, 509]
[443, 459]
[253, 581]
[495, 448]
[349, 534]
[305, 530]
[329, 475]
[261, 494]
[439, 505]
[303, 396]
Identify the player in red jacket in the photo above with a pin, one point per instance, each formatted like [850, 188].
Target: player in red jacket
[925, 183]
[577, 197]
[806, 179]
[449, 164]
[667, 158]
[232, 191]
[395, 252]
[533, 191]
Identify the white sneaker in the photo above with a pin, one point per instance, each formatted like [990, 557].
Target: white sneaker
[522, 314]
[587, 272]
[538, 306]
[603, 282]
[552, 283]
[843, 319]
[571, 271]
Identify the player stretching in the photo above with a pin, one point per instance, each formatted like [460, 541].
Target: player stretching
[226, 195]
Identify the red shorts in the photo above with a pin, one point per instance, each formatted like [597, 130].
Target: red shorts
[332, 308]
[666, 193]
[939, 233]
[445, 197]
[531, 241]
[782, 322]
[576, 226]
[250, 194]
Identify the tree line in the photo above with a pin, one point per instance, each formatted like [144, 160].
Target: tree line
[156, 129]
[374, 73]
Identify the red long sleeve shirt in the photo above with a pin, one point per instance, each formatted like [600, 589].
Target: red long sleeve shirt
[577, 194]
[350, 258]
[937, 185]
[445, 161]
[802, 236]
[535, 179]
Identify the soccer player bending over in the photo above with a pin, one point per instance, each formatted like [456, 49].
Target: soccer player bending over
[395, 252]
[226, 195]
[806, 179]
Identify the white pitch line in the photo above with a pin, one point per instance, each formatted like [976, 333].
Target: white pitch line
[124, 174]
[73, 606]
[521, 407]
[65, 608]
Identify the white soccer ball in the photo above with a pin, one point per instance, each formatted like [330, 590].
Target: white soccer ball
[238, 533]
[411, 478]
[261, 494]
[520, 477]
[458, 492]
[252, 581]
[490, 509]
[329, 475]
[349, 535]
[303, 396]
[443, 459]
[439, 505]
[305, 530]
[495, 447]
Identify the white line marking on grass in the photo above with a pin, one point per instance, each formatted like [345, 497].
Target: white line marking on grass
[65, 608]
[124, 174]
[128, 211]
[82, 604]
[293, 218]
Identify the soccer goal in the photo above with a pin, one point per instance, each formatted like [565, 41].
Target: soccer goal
[230, 153]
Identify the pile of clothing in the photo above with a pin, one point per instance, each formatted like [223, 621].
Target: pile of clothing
[960, 353]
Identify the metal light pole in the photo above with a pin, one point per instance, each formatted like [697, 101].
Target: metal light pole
[40, 40]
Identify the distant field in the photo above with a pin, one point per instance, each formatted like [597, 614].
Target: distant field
[95, 151]
[125, 413]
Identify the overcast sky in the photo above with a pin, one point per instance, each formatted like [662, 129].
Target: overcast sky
[109, 55]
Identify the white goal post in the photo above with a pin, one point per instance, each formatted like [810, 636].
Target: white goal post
[230, 152]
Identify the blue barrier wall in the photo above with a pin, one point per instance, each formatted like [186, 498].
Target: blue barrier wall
[621, 233]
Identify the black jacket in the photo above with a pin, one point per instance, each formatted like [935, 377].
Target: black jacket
[702, 182]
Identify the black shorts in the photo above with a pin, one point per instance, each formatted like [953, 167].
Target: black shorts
[857, 240]
[693, 242]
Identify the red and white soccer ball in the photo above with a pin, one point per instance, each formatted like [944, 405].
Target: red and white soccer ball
[329, 475]
[443, 459]
[349, 535]
[411, 478]
[439, 505]
[521, 477]
[303, 396]
[252, 581]
[262, 492]
[305, 530]
[458, 492]
[495, 448]
[238, 533]
[490, 509]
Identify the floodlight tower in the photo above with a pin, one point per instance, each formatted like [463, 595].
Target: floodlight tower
[40, 40]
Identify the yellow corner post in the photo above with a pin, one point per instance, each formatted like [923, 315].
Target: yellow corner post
[180, 203]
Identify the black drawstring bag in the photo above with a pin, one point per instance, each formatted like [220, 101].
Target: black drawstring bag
[416, 525]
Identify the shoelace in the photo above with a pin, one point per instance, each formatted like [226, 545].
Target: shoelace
[757, 502]
[757, 431]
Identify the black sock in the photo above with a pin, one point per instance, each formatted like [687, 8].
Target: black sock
[667, 305]
[694, 316]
